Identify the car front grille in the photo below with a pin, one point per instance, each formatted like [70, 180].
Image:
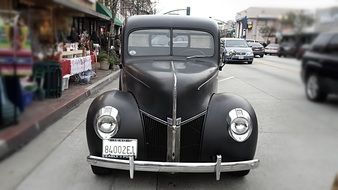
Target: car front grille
[191, 135]
[156, 139]
[240, 53]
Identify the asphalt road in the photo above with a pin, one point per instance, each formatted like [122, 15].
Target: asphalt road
[297, 145]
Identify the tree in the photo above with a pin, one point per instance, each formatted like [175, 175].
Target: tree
[298, 21]
[268, 31]
[138, 7]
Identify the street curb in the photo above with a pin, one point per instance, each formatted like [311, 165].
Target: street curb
[9, 146]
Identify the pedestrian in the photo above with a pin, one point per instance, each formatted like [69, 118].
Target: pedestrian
[95, 39]
[74, 36]
[117, 45]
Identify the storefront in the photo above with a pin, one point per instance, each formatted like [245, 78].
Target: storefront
[40, 37]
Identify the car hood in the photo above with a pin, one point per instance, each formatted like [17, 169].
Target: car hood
[238, 49]
[153, 85]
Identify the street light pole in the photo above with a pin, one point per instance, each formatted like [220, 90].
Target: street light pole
[187, 11]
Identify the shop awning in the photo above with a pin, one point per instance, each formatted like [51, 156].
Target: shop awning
[103, 10]
[117, 21]
[88, 11]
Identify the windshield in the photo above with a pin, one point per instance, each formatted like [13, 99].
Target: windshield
[236, 43]
[255, 45]
[154, 42]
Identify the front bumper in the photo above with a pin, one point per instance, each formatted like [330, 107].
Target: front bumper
[237, 58]
[257, 52]
[176, 167]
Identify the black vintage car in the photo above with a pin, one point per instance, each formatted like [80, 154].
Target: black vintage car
[167, 116]
[320, 67]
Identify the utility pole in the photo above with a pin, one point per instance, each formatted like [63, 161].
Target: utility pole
[188, 11]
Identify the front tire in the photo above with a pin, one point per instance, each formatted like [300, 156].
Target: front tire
[261, 56]
[101, 171]
[313, 88]
[249, 62]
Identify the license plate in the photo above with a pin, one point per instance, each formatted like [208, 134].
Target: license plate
[241, 57]
[119, 148]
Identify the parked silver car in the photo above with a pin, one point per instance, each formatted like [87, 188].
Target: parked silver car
[236, 50]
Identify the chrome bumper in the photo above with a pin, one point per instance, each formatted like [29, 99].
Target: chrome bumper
[175, 167]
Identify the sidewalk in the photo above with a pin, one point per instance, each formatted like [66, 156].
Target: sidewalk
[41, 114]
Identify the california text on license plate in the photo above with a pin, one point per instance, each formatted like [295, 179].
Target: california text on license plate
[241, 57]
[119, 148]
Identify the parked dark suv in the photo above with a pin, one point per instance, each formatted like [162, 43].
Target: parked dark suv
[320, 67]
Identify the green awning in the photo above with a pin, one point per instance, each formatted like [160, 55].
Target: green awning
[103, 10]
[117, 21]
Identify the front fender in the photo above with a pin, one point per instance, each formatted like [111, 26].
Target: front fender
[216, 139]
[130, 126]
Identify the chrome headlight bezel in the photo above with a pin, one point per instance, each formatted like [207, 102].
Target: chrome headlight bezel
[240, 122]
[107, 122]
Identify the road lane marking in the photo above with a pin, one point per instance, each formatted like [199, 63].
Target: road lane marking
[268, 63]
[226, 79]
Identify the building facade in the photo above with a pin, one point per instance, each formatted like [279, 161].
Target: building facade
[260, 24]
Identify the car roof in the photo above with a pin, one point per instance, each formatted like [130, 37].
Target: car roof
[233, 39]
[171, 21]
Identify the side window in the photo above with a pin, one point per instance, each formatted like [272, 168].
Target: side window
[333, 45]
[320, 43]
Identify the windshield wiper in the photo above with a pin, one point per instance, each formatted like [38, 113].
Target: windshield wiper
[197, 56]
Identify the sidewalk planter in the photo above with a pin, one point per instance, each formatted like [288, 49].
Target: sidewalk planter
[104, 65]
[103, 59]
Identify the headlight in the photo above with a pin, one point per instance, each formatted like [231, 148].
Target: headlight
[240, 125]
[249, 53]
[107, 122]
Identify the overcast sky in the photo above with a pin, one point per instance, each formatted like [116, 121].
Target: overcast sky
[227, 9]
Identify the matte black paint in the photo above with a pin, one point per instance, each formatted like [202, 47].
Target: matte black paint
[151, 84]
[130, 121]
[216, 139]
[146, 83]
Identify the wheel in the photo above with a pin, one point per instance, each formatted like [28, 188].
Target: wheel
[261, 56]
[279, 55]
[249, 62]
[239, 173]
[313, 89]
[101, 171]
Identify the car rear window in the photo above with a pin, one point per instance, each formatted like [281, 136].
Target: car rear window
[322, 39]
[255, 45]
